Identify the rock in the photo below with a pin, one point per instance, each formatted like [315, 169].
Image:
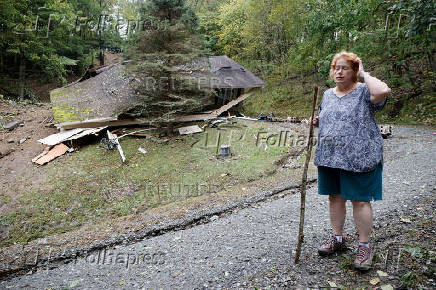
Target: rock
[7, 152]
[11, 141]
[14, 124]
[22, 140]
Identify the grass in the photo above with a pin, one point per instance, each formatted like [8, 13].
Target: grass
[291, 99]
[92, 185]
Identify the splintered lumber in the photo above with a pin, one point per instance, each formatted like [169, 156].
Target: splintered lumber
[69, 135]
[59, 137]
[135, 133]
[196, 117]
[49, 155]
[190, 130]
[234, 102]
[304, 180]
[87, 132]
[114, 138]
[102, 122]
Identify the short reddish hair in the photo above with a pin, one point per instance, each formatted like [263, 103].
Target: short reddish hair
[351, 58]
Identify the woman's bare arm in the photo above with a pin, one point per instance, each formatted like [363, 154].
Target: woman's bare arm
[379, 90]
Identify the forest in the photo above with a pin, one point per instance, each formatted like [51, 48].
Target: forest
[289, 44]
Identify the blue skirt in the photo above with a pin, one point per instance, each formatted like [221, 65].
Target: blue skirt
[354, 186]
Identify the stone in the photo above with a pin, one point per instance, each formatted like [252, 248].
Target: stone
[14, 124]
[7, 152]
[11, 140]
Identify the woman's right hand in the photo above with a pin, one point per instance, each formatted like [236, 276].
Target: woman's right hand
[315, 121]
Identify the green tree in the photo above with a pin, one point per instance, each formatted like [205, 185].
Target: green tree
[49, 38]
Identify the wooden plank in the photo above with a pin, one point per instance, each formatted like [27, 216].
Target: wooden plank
[198, 117]
[60, 137]
[69, 135]
[102, 122]
[42, 154]
[114, 138]
[234, 102]
[57, 151]
[190, 130]
[92, 131]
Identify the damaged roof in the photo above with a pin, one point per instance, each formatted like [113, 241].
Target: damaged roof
[233, 74]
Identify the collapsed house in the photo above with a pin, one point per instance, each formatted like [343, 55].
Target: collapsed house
[106, 97]
[102, 99]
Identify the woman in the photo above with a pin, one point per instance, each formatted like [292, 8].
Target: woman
[349, 154]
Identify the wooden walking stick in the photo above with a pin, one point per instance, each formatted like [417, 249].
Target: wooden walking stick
[304, 179]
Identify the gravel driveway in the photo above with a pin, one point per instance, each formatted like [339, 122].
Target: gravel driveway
[251, 246]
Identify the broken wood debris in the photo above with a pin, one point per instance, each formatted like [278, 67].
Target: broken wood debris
[22, 140]
[59, 137]
[69, 135]
[87, 132]
[102, 122]
[190, 130]
[46, 149]
[142, 150]
[50, 154]
[247, 118]
[114, 138]
[135, 133]
[271, 118]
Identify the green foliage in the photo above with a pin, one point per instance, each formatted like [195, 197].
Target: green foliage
[281, 39]
[409, 280]
[52, 37]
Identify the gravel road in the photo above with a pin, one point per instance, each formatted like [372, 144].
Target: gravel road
[251, 244]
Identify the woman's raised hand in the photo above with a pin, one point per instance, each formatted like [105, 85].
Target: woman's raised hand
[315, 121]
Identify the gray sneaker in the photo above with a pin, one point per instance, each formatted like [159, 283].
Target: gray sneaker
[332, 246]
[363, 259]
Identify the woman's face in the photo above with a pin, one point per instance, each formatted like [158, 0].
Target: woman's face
[343, 72]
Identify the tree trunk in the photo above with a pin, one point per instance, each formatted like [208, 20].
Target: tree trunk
[22, 71]
[100, 40]
[2, 64]
[431, 61]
